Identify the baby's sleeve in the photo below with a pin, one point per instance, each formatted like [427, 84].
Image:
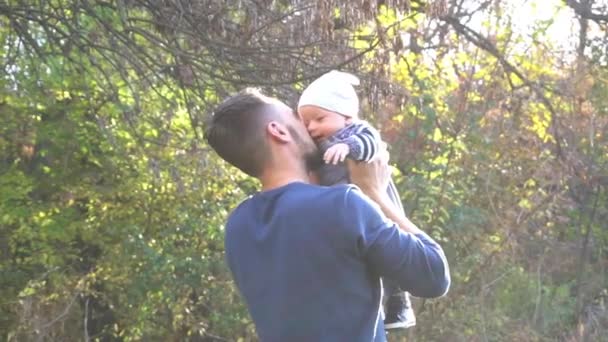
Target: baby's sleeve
[364, 143]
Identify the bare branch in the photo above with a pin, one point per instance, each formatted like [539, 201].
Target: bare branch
[585, 11]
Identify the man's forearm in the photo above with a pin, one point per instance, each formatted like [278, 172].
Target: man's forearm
[413, 260]
[373, 178]
[391, 211]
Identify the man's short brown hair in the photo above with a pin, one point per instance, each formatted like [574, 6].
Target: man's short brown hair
[236, 131]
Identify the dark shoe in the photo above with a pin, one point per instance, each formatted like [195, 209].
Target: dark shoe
[399, 312]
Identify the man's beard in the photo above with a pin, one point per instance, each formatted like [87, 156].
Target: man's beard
[313, 160]
[308, 150]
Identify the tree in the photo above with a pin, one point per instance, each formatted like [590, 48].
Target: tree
[112, 206]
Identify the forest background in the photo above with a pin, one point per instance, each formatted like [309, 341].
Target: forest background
[112, 205]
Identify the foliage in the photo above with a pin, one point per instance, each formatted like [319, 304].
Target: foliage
[112, 206]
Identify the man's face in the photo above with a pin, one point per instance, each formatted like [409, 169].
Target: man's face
[304, 144]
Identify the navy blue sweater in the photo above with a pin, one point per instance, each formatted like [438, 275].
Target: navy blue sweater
[308, 261]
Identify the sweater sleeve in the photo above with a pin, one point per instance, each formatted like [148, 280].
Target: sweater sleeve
[416, 262]
[364, 143]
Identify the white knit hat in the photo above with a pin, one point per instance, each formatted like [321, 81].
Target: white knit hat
[333, 91]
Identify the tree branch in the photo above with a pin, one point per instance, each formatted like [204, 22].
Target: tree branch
[586, 12]
[480, 41]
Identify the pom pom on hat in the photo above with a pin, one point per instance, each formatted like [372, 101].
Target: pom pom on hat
[333, 91]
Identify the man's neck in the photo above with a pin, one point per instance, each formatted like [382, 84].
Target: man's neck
[278, 178]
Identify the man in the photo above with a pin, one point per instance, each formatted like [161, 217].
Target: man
[308, 259]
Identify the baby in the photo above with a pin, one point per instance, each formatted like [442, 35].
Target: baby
[329, 107]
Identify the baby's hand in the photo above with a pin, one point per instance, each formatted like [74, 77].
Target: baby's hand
[335, 154]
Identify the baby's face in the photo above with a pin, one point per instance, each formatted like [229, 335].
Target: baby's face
[322, 123]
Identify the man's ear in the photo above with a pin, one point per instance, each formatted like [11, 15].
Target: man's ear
[278, 131]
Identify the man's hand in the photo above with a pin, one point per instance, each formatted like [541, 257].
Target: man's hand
[372, 177]
[336, 153]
